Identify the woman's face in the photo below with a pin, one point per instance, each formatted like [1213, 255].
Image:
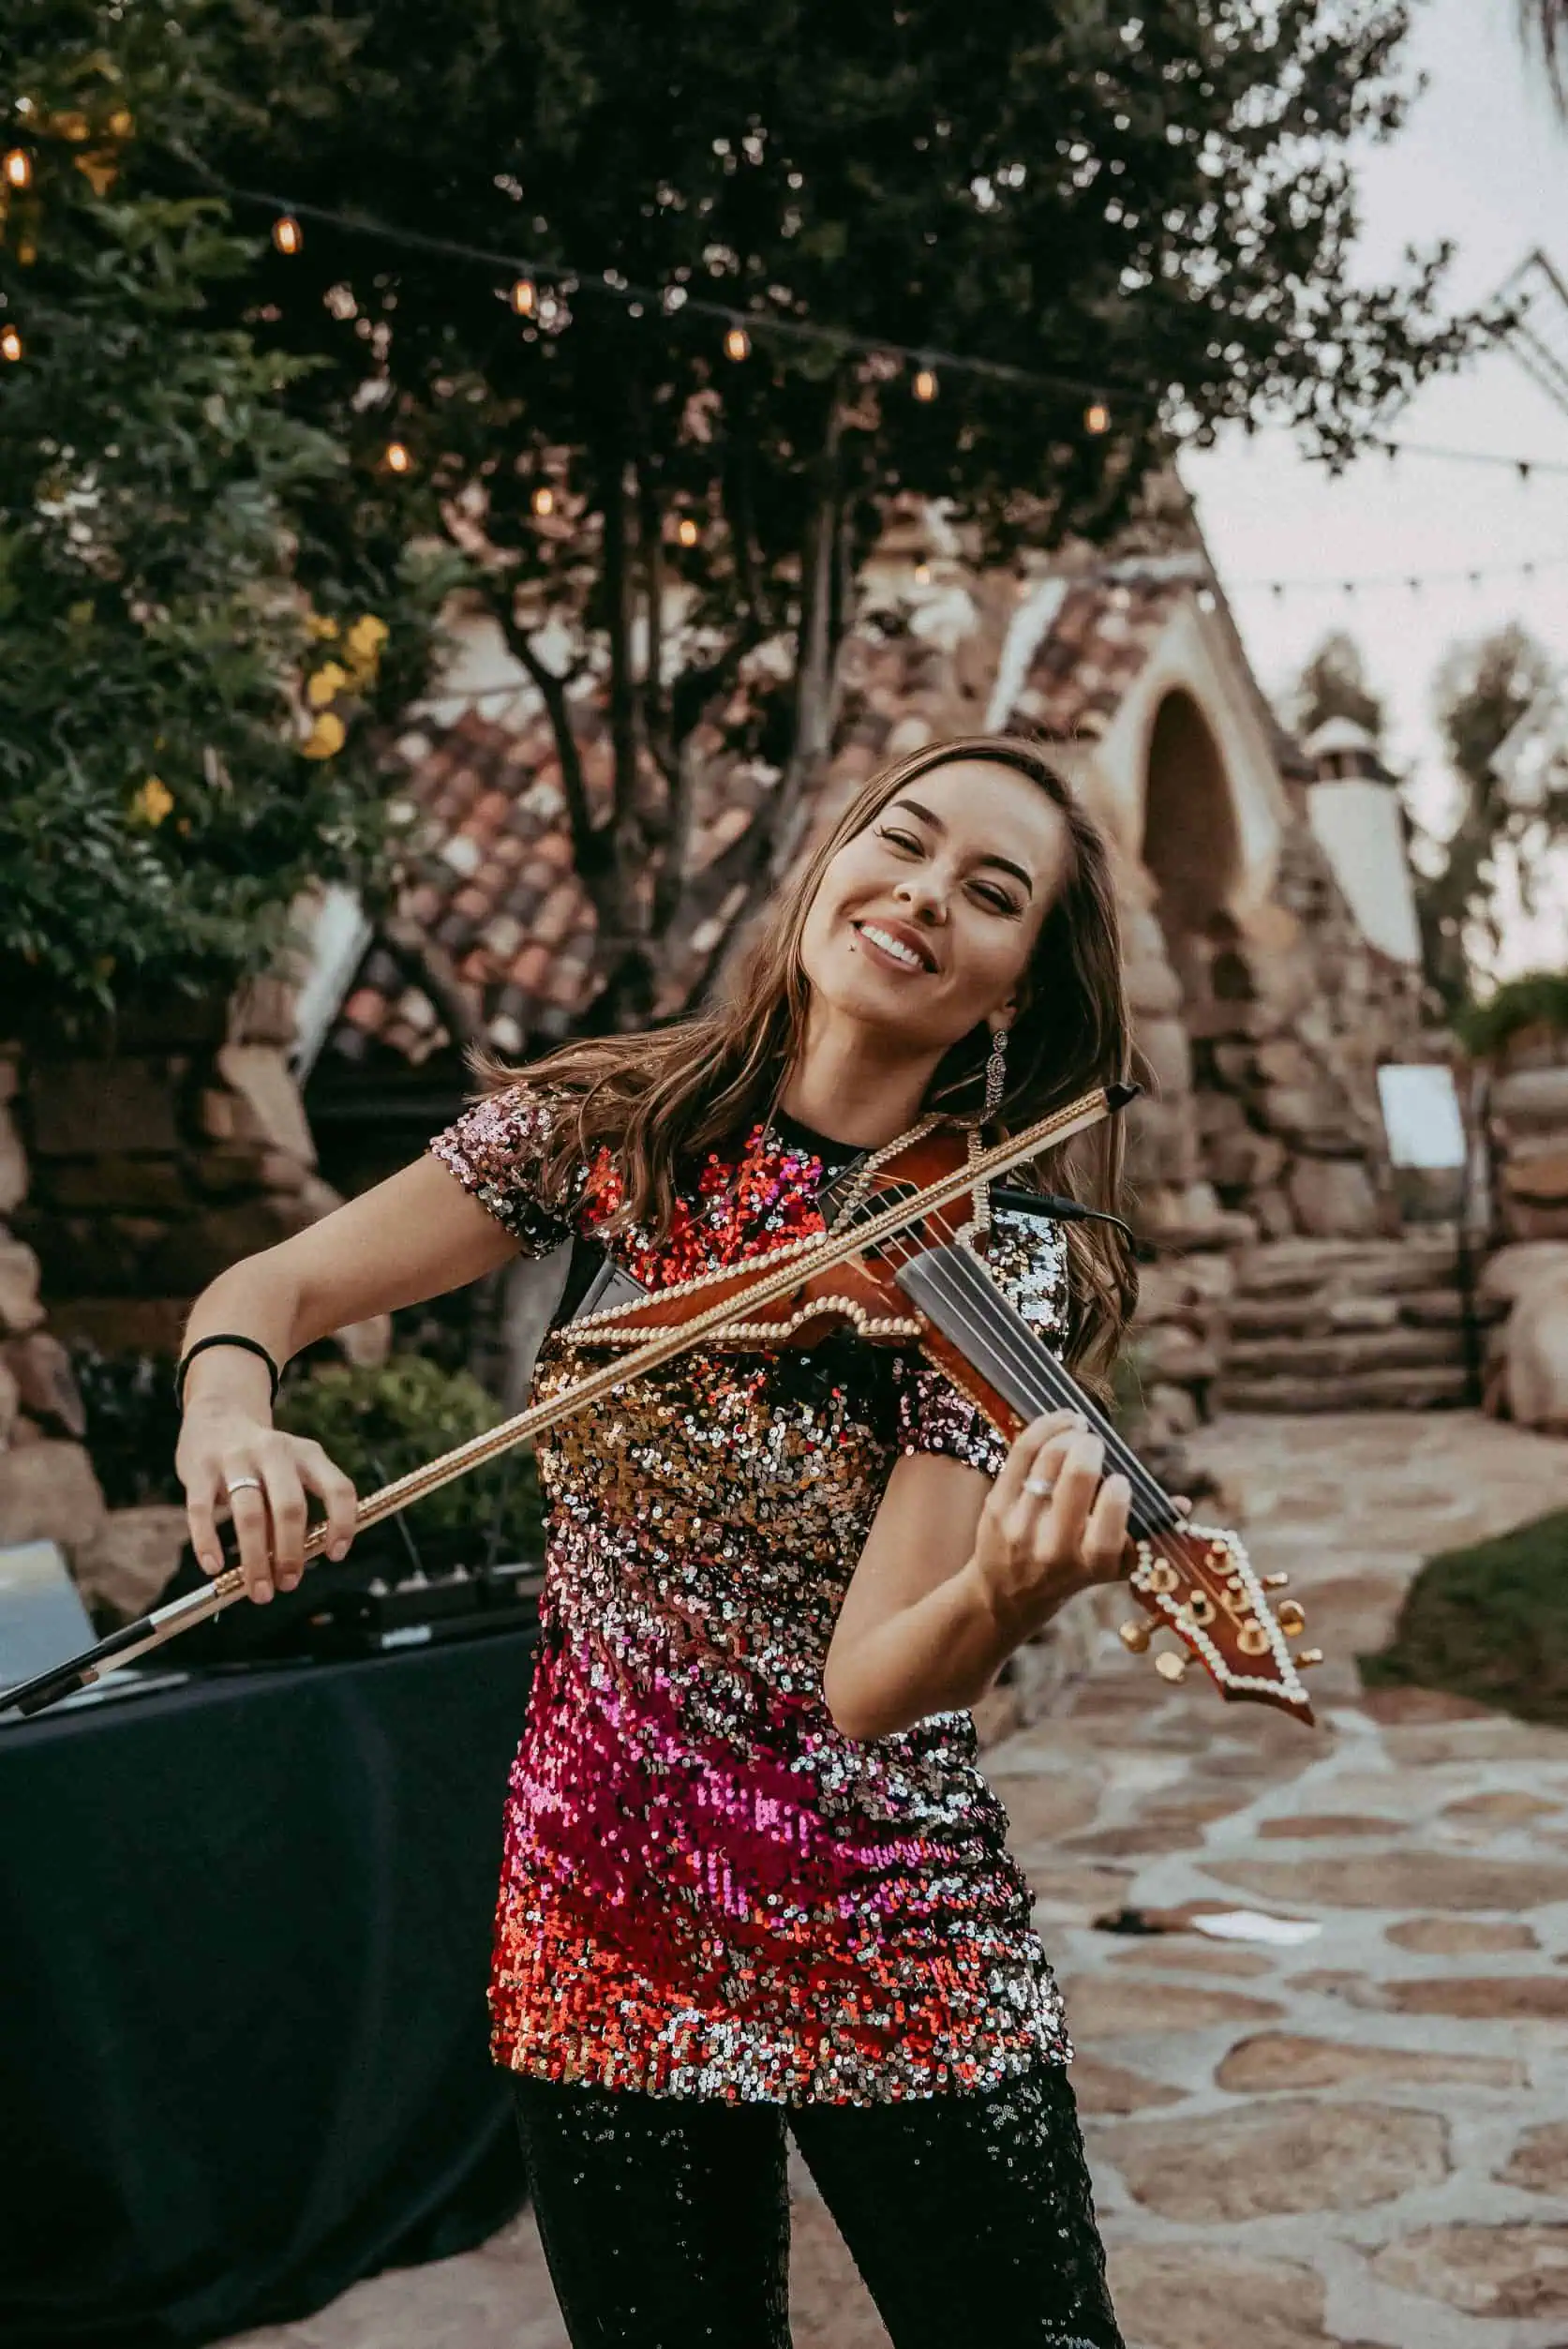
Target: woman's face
[923, 924]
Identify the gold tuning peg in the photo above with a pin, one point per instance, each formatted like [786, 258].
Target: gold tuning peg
[1170, 1666]
[1134, 1635]
[1307, 1657]
[1291, 1616]
[1274, 1581]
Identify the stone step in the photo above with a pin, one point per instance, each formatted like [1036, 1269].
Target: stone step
[1321, 1316]
[1437, 1387]
[1302, 1266]
[1344, 1355]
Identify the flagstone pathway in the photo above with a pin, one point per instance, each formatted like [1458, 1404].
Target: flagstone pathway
[1358, 2143]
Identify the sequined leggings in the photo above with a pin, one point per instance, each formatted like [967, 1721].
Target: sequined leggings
[666, 2220]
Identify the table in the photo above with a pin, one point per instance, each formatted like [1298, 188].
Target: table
[244, 1932]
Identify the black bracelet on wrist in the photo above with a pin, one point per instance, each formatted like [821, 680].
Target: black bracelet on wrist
[224, 1338]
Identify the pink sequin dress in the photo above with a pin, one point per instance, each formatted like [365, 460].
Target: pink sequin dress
[709, 1891]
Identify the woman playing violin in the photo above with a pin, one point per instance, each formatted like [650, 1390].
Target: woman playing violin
[753, 1880]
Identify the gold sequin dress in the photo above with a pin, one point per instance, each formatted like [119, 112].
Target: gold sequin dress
[709, 1890]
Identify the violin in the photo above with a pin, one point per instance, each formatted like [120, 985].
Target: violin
[896, 1267]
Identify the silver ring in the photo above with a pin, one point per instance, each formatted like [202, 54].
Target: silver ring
[1038, 1484]
[243, 1484]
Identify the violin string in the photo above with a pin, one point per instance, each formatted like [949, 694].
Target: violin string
[1062, 1389]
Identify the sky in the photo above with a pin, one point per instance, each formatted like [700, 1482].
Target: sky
[1483, 162]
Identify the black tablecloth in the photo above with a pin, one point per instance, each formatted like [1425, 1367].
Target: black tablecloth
[243, 1932]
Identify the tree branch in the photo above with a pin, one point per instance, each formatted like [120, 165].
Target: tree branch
[590, 850]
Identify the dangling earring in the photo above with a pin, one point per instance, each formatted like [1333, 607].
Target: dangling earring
[996, 1072]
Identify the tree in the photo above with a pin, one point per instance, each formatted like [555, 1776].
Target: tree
[191, 675]
[1334, 684]
[1480, 695]
[1154, 214]
[1545, 24]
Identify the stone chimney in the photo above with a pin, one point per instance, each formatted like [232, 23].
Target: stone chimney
[1353, 808]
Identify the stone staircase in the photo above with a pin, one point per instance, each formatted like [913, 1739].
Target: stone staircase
[1324, 1325]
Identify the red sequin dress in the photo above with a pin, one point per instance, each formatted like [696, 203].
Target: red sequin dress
[709, 1890]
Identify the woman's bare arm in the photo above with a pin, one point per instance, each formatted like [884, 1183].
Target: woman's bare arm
[414, 1236]
[957, 1572]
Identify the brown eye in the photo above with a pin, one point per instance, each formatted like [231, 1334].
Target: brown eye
[905, 841]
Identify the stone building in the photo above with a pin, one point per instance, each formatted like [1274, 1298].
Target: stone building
[1268, 983]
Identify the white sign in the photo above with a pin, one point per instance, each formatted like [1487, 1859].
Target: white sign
[1421, 1113]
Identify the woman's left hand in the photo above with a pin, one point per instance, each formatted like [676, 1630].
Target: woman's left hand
[1054, 1523]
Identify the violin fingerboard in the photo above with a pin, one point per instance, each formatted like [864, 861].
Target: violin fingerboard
[961, 1296]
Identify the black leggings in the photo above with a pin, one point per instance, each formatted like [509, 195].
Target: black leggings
[666, 2220]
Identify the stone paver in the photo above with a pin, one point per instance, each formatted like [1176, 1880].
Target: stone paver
[1356, 2142]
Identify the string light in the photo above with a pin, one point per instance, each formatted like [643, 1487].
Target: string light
[18, 168]
[925, 385]
[398, 459]
[10, 343]
[922, 573]
[287, 234]
[543, 498]
[737, 343]
[686, 531]
[1096, 417]
[524, 297]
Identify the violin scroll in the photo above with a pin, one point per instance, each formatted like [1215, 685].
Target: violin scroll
[1197, 1582]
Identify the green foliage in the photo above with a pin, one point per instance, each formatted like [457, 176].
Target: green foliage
[159, 560]
[1334, 684]
[133, 1424]
[1481, 693]
[1163, 207]
[1489, 1623]
[378, 1424]
[1539, 999]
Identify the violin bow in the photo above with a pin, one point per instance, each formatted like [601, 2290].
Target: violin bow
[797, 1261]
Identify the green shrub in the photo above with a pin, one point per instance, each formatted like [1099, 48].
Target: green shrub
[378, 1424]
[1489, 1623]
[1539, 999]
[133, 1424]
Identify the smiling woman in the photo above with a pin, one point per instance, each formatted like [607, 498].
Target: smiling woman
[753, 1876]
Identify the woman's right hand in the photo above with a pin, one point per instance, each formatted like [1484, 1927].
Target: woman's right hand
[218, 1448]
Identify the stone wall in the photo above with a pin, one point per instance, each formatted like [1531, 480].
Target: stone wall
[157, 1163]
[131, 1175]
[1527, 1278]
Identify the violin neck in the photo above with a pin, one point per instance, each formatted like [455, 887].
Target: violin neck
[953, 1288]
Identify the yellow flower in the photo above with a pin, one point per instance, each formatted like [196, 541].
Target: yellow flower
[326, 737]
[366, 636]
[121, 122]
[321, 625]
[101, 168]
[326, 683]
[153, 802]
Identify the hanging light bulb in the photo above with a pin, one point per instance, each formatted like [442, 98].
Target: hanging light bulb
[922, 573]
[1096, 417]
[18, 168]
[925, 385]
[543, 498]
[737, 343]
[10, 343]
[287, 234]
[524, 297]
[399, 458]
[686, 531]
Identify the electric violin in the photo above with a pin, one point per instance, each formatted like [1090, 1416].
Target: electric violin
[895, 1264]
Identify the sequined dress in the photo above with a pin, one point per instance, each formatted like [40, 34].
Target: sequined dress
[709, 1890]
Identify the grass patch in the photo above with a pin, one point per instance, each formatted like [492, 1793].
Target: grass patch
[1489, 1623]
[1538, 999]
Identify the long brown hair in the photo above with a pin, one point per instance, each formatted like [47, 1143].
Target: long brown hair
[657, 1102]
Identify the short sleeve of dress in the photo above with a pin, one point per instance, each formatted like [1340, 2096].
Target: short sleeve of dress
[1028, 1257]
[497, 1151]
